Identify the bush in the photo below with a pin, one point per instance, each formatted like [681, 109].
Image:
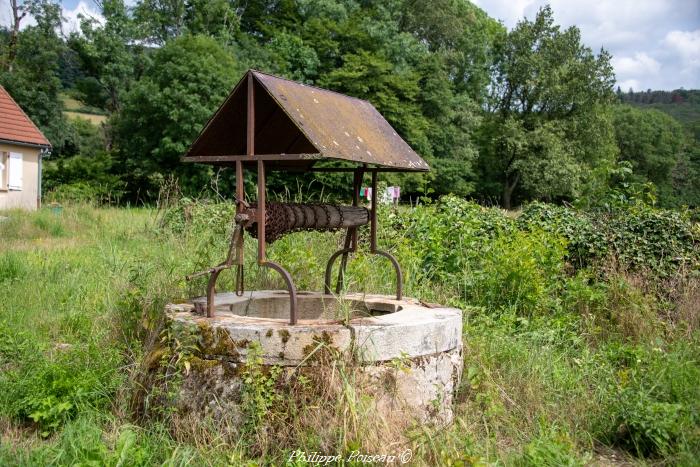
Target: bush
[659, 240]
[49, 386]
[519, 270]
[83, 192]
[586, 241]
[550, 448]
[199, 217]
[449, 235]
[639, 237]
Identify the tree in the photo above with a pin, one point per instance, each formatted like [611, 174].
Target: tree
[547, 117]
[651, 140]
[461, 33]
[658, 149]
[163, 113]
[18, 14]
[106, 52]
[32, 80]
[162, 20]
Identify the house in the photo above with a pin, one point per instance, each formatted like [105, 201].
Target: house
[22, 145]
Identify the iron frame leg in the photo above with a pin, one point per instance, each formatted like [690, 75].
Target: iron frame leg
[262, 260]
[373, 240]
[350, 245]
[291, 288]
[211, 291]
[329, 271]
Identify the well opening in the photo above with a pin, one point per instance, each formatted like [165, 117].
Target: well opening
[312, 306]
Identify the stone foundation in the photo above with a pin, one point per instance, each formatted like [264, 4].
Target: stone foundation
[410, 354]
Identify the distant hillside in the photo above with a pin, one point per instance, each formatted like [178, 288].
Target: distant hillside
[682, 104]
[76, 109]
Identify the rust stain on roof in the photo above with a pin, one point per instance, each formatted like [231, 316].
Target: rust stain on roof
[294, 118]
[15, 125]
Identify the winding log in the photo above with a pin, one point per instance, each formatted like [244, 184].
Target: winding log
[284, 218]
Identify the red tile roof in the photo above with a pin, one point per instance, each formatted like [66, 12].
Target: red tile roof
[15, 125]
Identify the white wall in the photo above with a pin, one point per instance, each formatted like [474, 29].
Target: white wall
[28, 196]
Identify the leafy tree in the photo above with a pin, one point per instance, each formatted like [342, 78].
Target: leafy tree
[414, 88]
[162, 20]
[462, 34]
[33, 79]
[107, 55]
[658, 149]
[649, 139]
[162, 114]
[547, 120]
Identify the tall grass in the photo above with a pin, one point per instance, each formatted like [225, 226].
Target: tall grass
[562, 366]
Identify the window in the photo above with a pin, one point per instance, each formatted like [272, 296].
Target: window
[14, 171]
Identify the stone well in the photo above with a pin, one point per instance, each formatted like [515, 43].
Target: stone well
[418, 347]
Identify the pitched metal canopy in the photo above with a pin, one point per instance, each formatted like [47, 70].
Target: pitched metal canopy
[295, 125]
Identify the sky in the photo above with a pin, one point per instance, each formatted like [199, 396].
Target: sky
[655, 44]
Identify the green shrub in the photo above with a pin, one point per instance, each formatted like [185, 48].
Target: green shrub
[85, 193]
[199, 217]
[518, 270]
[637, 237]
[551, 448]
[49, 386]
[586, 241]
[659, 240]
[450, 234]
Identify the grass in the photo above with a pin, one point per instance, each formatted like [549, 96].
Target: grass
[76, 109]
[95, 119]
[563, 384]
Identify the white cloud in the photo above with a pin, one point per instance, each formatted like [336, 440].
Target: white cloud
[638, 65]
[71, 18]
[655, 43]
[686, 44]
[629, 84]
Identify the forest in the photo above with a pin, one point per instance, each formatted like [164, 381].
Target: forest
[503, 117]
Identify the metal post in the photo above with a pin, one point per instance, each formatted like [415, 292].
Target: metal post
[350, 245]
[356, 185]
[262, 260]
[240, 200]
[261, 212]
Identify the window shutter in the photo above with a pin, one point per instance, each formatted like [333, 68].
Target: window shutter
[3, 169]
[14, 171]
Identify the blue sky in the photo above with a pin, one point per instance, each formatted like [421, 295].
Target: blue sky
[655, 43]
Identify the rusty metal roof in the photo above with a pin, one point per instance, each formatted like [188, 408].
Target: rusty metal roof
[295, 118]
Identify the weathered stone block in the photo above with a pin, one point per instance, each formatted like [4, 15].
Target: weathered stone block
[411, 354]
